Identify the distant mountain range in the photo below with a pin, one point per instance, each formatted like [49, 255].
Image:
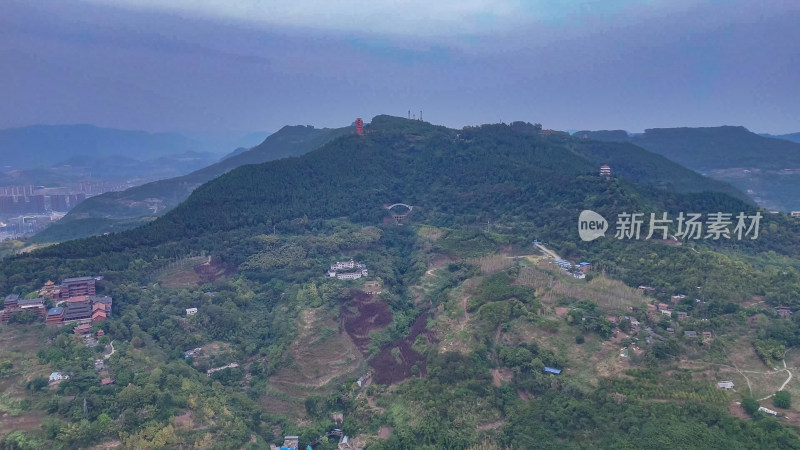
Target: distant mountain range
[794, 137]
[766, 168]
[60, 154]
[114, 211]
[42, 146]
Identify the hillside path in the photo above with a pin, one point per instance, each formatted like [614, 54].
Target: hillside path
[784, 383]
[112, 350]
[547, 251]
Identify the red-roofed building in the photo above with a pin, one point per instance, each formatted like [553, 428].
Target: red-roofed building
[82, 329]
[77, 299]
[105, 301]
[98, 315]
[50, 290]
[106, 381]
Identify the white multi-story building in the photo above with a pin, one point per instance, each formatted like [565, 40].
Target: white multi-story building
[361, 270]
[349, 276]
[341, 265]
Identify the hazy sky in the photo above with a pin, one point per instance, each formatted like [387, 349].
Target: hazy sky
[243, 65]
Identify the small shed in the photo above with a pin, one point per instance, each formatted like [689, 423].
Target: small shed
[551, 371]
[727, 385]
[57, 376]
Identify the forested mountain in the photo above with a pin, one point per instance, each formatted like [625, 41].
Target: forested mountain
[463, 312]
[492, 172]
[720, 147]
[115, 211]
[767, 168]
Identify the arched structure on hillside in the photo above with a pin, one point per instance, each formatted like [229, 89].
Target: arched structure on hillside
[399, 218]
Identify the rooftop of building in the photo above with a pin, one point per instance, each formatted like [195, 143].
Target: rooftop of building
[31, 301]
[77, 279]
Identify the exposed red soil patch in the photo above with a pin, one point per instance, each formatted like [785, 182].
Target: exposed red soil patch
[490, 426]
[500, 375]
[389, 369]
[385, 432]
[561, 311]
[369, 316]
[184, 421]
[210, 271]
[737, 411]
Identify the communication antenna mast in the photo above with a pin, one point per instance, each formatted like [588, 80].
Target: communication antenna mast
[420, 115]
[409, 114]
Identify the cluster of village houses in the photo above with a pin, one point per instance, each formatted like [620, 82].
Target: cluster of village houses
[75, 303]
[666, 309]
[353, 270]
[578, 271]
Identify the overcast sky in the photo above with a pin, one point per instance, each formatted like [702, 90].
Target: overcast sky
[247, 65]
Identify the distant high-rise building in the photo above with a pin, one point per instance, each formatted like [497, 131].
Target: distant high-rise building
[605, 170]
[58, 203]
[359, 126]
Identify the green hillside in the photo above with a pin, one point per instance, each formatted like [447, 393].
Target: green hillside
[451, 352]
[764, 167]
[720, 147]
[466, 177]
[138, 205]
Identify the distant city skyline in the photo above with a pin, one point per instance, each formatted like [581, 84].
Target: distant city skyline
[201, 66]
